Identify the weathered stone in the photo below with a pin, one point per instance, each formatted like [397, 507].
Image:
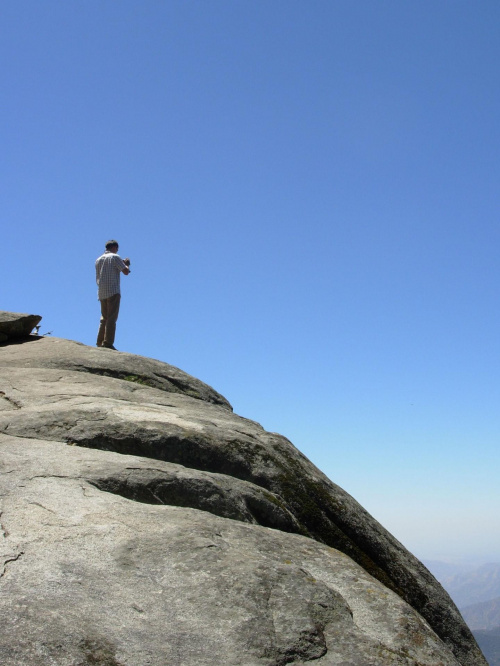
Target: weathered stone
[90, 577]
[16, 325]
[70, 355]
[175, 485]
[206, 457]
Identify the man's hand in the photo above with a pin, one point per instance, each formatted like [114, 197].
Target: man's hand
[126, 261]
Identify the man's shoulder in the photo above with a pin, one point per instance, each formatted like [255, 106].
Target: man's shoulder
[110, 259]
[118, 260]
[109, 256]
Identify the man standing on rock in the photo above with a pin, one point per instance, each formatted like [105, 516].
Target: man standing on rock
[107, 272]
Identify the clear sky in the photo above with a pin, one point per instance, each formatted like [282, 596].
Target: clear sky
[309, 195]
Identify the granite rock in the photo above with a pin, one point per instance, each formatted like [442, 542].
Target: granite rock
[91, 577]
[163, 457]
[14, 325]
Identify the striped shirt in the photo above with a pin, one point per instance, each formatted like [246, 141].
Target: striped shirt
[107, 274]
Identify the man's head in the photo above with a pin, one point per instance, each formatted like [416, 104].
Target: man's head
[112, 246]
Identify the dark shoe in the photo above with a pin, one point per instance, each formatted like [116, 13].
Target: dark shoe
[110, 347]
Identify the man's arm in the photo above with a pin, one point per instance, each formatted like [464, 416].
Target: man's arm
[122, 264]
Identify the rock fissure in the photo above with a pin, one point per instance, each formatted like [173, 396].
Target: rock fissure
[9, 560]
[43, 507]
[54, 476]
[15, 404]
[17, 436]
[3, 531]
[145, 469]
[158, 500]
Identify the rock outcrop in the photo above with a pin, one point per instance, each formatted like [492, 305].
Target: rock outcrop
[145, 523]
[15, 325]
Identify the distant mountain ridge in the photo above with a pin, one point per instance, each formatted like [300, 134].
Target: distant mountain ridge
[468, 586]
[483, 616]
[489, 642]
[475, 590]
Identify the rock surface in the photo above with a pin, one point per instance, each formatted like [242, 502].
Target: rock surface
[92, 578]
[15, 325]
[152, 543]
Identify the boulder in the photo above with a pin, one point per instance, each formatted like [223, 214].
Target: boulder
[90, 577]
[14, 325]
[135, 458]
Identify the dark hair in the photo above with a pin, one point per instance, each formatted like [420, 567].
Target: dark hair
[111, 243]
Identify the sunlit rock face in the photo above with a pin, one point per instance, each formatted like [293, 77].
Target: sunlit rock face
[144, 523]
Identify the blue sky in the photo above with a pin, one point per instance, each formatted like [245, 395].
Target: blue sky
[309, 194]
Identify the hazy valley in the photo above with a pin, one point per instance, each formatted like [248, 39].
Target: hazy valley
[476, 591]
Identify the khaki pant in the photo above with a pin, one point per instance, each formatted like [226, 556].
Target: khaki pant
[109, 314]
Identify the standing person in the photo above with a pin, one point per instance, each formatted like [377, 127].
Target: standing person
[107, 274]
